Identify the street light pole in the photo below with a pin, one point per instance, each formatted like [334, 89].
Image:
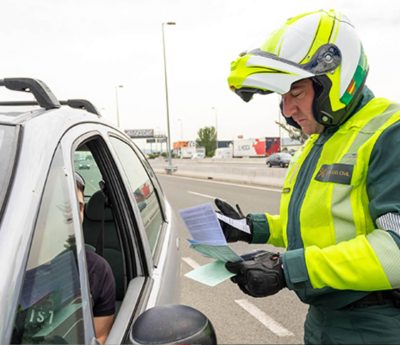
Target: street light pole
[116, 101]
[280, 133]
[216, 126]
[181, 123]
[169, 167]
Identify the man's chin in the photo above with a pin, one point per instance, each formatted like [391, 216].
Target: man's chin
[315, 130]
[305, 129]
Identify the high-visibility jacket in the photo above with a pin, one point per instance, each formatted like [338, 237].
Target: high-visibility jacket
[336, 252]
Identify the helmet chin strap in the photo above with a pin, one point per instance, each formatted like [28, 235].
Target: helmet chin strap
[322, 110]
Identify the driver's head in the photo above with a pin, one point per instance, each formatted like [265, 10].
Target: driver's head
[80, 188]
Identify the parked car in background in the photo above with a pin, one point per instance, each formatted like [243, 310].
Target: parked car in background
[281, 159]
[44, 292]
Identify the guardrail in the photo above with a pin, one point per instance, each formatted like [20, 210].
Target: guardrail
[245, 171]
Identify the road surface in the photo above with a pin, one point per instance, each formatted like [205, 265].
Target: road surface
[237, 318]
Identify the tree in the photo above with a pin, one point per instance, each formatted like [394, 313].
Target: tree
[294, 133]
[207, 137]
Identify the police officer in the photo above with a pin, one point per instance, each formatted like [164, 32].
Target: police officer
[340, 206]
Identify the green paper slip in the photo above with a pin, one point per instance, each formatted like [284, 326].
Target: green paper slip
[221, 253]
[211, 274]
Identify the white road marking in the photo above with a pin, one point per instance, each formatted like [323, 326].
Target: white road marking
[266, 320]
[203, 195]
[193, 264]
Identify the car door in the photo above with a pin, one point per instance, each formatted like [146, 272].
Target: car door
[133, 225]
[53, 306]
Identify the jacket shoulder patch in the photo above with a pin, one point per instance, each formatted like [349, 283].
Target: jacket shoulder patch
[336, 173]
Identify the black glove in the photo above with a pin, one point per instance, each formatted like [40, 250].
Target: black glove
[260, 274]
[232, 234]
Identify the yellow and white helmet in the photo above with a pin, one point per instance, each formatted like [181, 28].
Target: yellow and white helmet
[321, 45]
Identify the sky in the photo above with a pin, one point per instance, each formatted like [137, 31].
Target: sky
[87, 48]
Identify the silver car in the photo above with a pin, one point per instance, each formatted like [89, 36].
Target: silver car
[281, 159]
[44, 292]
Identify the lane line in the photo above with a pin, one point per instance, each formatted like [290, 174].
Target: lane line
[266, 320]
[193, 264]
[203, 195]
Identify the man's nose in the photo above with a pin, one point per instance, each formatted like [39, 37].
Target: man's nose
[288, 106]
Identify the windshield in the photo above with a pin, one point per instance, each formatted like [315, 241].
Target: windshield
[8, 149]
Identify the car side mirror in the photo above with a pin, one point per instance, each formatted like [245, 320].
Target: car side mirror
[173, 324]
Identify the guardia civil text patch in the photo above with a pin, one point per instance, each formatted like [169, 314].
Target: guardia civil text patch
[336, 173]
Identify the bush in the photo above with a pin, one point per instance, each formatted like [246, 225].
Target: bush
[153, 155]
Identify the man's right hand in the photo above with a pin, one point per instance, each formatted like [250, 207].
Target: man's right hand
[259, 274]
[231, 233]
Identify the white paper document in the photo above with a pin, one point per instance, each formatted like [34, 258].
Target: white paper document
[203, 224]
[209, 240]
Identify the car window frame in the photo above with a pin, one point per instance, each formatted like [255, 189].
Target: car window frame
[82, 264]
[13, 159]
[154, 179]
[83, 133]
[161, 199]
[139, 287]
[157, 189]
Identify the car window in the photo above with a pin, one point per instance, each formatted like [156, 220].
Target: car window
[50, 303]
[102, 229]
[8, 148]
[143, 190]
[86, 166]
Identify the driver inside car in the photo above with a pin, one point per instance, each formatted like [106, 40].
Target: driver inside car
[101, 280]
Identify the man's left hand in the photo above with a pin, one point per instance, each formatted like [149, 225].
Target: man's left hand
[260, 274]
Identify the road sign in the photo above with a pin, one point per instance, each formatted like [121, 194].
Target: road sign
[140, 133]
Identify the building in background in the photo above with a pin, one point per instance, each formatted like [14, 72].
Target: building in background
[224, 143]
[188, 150]
[237, 148]
[255, 147]
[223, 153]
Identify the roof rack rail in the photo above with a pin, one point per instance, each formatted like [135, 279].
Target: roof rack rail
[81, 104]
[73, 103]
[43, 95]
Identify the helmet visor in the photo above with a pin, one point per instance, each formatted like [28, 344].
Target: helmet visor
[258, 71]
[246, 94]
